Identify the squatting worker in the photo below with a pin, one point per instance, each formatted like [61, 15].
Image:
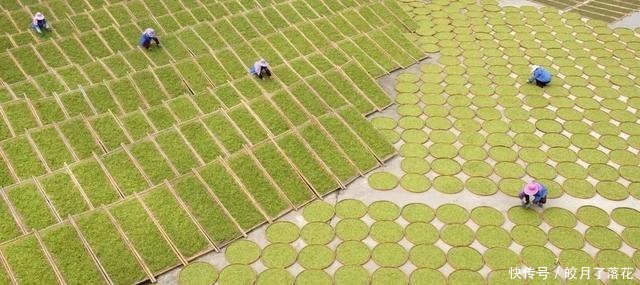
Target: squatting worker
[147, 36]
[539, 76]
[261, 68]
[39, 24]
[533, 193]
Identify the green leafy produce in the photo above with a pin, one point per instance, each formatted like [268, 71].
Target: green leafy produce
[537, 256]
[48, 109]
[237, 274]
[176, 223]
[328, 152]
[528, 235]
[144, 235]
[310, 168]
[349, 92]
[451, 213]
[283, 174]
[425, 276]
[231, 196]
[94, 182]
[613, 258]
[278, 255]
[23, 158]
[225, 132]
[368, 134]
[198, 273]
[126, 94]
[559, 217]
[284, 101]
[275, 276]
[421, 233]
[353, 253]
[386, 231]
[242, 252]
[51, 147]
[28, 262]
[603, 238]
[136, 125]
[73, 260]
[284, 232]
[207, 211]
[316, 257]
[351, 275]
[387, 275]
[119, 263]
[456, 235]
[460, 277]
[177, 151]
[627, 217]
[350, 208]
[152, 161]
[352, 229]
[109, 132]
[147, 84]
[64, 194]
[124, 172]
[268, 114]
[485, 215]
[389, 255]
[202, 142]
[465, 258]
[313, 276]
[564, 237]
[417, 212]
[317, 233]
[415, 182]
[80, 138]
[493, 236]
[31, 205]
[383, 181]
[522, 215]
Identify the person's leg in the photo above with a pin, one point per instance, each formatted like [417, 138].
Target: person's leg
[146, 44]
[542, 201]
[36, 28]
[267, 71]
[156, 40]
[541, 84]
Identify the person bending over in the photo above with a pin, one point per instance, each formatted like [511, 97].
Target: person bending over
[147, 36]
[261, 69]
[539, 76]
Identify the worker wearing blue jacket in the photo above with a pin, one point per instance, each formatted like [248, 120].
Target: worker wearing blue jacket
[540, 76]
[40, 24]
[147, 36]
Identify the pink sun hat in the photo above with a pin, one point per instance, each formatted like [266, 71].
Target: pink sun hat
[531, 188]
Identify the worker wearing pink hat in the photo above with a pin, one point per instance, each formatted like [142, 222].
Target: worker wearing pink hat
[533, 191]
[39, 23]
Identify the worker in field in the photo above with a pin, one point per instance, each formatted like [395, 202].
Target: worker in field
[539, 76]
[261, 69]
[533, 193]
[39, 24]
[147, 36]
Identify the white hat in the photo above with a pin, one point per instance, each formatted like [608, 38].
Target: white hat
[262, 62]
[534, 67]
[150, 32]
[39, 16]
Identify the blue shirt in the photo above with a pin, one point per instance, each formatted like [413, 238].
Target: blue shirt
[541, 75]
[541, 194]
[144, 38]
